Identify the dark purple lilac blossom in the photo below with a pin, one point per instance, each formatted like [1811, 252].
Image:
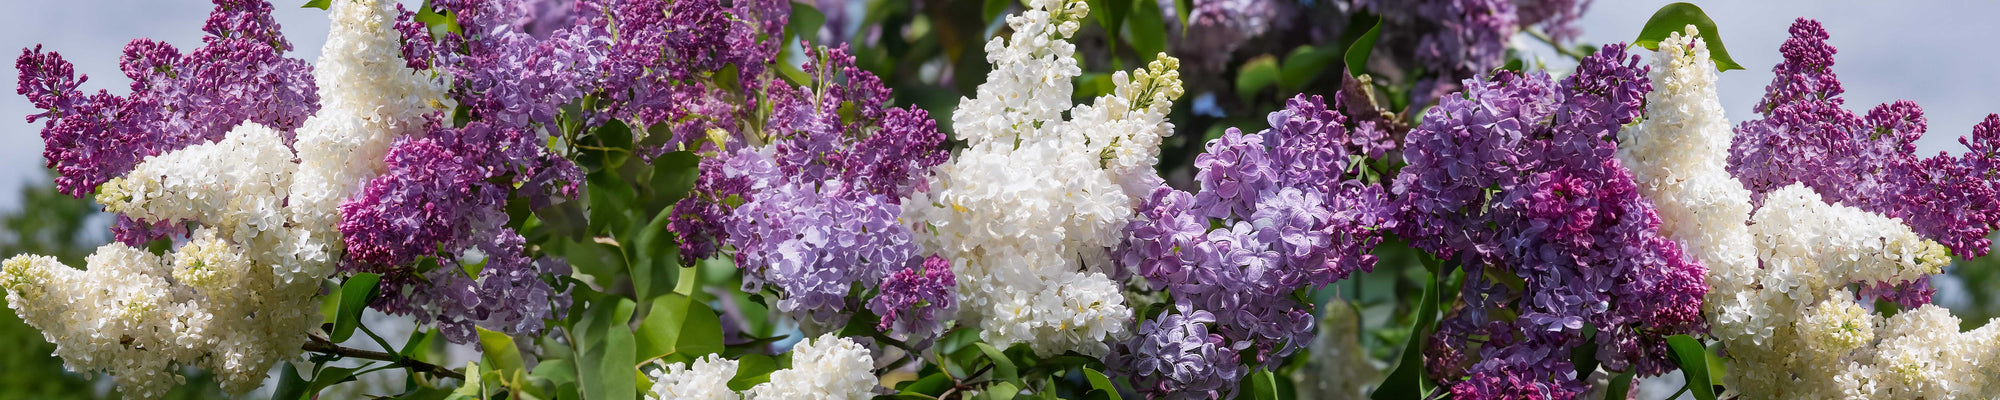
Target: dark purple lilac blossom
[1292, 213]
[239, 74]
[1517, 181]
[914, 303]
[1867, 161]
[439, 201]
[806, 202]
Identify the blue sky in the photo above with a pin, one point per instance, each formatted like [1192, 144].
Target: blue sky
[1924, 51]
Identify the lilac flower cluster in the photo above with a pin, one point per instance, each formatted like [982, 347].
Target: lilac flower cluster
[443, 195]
[1292, 214]
[1452, 40]
[915, 302]
[812, 211]
[240, 73]
[671, 62]
[1866, 161]
[1517, 181]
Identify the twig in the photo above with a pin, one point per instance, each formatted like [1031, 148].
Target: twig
[1544, 37]
[321, 345]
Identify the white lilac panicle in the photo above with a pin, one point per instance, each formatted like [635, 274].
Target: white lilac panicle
[369, 97]
[827, 368]
[707, 379]
[1780, 298]
[1028, 211]
[239, 294]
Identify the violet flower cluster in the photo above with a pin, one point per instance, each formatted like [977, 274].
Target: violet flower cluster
[807, 206]
[1291, 213]
[1516, 180]
[240, 73]
[1865, 161]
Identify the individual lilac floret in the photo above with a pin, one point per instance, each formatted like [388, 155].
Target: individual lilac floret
[1176, 356]
[1866, 161]
[240, 73]
[914, 303]
[1518, 178]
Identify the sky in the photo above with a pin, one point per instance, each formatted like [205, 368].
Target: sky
[1914, 50]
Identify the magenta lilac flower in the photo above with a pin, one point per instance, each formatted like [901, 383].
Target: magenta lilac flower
[1292, 213]
[240, 73]
[1867, 161]
[1517, 177]
[915, 302]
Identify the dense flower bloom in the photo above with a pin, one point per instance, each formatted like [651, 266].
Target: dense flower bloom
[1518, 177]
[240, 73]
[1866, 161]
[914, 303]
[826, 368]
[706, 379]
[1029, 211]
[1293, 214]
[233, 299]
[1779, 299]
[811, 210]
[1175, 357]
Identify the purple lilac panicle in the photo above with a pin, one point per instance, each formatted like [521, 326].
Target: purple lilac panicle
[1293, 215]
[1517, 177]
[1867, 161]
[239, 74]
[914, 303]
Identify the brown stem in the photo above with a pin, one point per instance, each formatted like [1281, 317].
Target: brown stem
[321, 345]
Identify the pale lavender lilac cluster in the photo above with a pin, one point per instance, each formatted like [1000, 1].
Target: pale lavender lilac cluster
[1867, 161]
[239, 74]
[812, 212]
[1292, 214]
[1517, 182]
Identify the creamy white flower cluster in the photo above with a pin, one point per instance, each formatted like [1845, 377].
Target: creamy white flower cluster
[827, 368]
[239, 295]
[1780, 298]
[1028, 211]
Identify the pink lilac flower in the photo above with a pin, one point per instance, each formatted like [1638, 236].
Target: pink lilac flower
[915, 302]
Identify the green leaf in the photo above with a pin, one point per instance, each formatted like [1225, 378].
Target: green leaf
[1001, 391]
[1003, 367]
[932, 385]
[1255, 75]
[1675, 18]
[1692, 357]
[1407, 380]
[1357, 53]
[1148, 30]
[654, 257]
[1263, 385]
[1621, 386]
[1098, 382]
[354, 296]
[993, 9]
[608, 349]
[473, 388]
[1181, 10]
[319, 4]
[290, 385]
[752, 370]
[1304, 64]
[328, 377]
[611, 202]
[679, 325]
[500, 352]
[606, 147]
